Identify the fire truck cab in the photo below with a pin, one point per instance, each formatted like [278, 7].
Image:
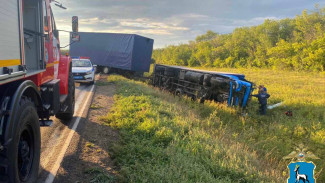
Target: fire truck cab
[36, 83]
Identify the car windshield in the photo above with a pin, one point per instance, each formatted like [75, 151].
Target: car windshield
[81, 63]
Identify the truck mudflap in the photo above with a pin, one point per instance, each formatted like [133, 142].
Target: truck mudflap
[67, 89]
[65, 68]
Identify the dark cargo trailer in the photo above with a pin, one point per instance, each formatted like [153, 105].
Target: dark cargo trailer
[127, 52]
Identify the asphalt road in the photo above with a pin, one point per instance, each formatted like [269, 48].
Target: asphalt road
[55, 140]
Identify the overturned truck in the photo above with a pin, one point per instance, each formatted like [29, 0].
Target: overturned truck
[204, 85]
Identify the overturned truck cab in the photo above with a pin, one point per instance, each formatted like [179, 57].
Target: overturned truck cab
[204, 85]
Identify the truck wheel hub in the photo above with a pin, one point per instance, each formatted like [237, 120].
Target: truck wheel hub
[25, 155]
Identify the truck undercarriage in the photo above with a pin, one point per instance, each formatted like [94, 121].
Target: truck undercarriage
[204, 85]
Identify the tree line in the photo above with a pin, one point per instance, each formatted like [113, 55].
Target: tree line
[292, 43]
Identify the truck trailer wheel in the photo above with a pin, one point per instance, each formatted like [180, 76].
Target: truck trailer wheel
[179, 92]
[106, 70]
[22, 156]
[70, 101]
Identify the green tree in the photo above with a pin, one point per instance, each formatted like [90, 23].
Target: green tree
[297, 43]
[210, 35]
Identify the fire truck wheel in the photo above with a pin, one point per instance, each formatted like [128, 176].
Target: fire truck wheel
[70, 101]
[22, 156]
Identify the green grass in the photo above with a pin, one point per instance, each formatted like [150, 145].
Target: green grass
[168, 139]
[101, 83]
[95, 106]
[99, 176]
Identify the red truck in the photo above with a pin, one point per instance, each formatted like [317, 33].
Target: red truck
[36, 83]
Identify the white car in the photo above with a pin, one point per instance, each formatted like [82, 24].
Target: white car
[83, 70]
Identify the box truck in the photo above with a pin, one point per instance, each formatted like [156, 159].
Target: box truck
[122, 52]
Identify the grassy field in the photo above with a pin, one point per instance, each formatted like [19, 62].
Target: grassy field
[170, 139]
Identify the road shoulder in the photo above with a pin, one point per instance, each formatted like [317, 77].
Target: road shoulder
[88, 157]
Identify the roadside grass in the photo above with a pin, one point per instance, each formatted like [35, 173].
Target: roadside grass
[95, 106]
[170, 139]
[89, 144]
[304, 94]
[101, 83]
[99, 176]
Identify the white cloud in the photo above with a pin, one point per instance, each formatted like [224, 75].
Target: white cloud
[253, 21]
[173, 21]
[142, 26]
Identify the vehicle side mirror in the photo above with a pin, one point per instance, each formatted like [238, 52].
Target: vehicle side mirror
[75, 24]
[75, 37]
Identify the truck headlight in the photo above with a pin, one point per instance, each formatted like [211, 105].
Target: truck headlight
[89, 72]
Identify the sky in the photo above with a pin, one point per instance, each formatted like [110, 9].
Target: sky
[172, 22]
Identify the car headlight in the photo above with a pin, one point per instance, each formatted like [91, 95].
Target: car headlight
[89, 72]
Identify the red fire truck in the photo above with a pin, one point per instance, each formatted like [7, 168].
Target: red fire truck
[36, 82]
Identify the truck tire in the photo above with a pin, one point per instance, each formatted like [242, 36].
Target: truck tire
[70, 101]
[21, 158]
[179, 92]
[106, 70]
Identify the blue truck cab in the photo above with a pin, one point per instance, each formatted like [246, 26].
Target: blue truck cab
[240, 90]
